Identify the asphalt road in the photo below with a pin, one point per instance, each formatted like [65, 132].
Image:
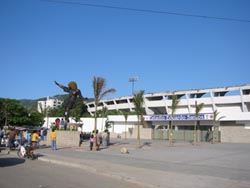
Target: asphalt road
[161, 165]
[156, 164]
[16, 172]
[227, 161]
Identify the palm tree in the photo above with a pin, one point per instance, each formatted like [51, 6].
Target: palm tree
[125, 114]
[45, 111]
[198, 108]
[139, 102]
[216, 113]
[174, 105]
[99, 85]
[104, 113]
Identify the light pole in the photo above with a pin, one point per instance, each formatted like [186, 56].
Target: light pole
[133, 80]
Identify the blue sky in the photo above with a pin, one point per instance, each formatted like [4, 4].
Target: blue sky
[43, 41]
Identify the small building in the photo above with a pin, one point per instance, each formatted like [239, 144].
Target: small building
[50, 102]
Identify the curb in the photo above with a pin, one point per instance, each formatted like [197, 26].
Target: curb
[101, 172]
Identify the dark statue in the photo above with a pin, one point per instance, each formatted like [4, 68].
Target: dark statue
[74, 92]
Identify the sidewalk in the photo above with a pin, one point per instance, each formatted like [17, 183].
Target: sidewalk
[157, 164]
[92, 161]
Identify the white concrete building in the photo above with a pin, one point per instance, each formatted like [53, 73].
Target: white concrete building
[231, 102]
[50, 102]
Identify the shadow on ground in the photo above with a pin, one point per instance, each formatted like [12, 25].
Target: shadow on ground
[11, 161]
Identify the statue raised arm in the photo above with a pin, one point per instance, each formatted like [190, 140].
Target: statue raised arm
[66, 89]
[74, 92]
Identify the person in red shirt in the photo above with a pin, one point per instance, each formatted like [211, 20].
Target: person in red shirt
[57, 123]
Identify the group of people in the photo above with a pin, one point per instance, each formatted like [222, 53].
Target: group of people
[60, 123]
[8, 137]
[33, 138]
[100, 139]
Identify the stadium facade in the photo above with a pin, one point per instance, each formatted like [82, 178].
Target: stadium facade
[231, 102]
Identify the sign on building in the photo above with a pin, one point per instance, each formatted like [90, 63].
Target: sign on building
[178, 117]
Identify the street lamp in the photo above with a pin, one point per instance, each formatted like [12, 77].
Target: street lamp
[133, 80]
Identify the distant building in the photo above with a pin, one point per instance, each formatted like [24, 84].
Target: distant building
[50, 102]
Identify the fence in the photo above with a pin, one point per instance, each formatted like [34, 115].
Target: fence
[186, 135]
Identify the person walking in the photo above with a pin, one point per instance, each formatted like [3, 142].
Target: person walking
[91, 142]
[81, 139]
[79, 129]
[1, 135]
[63, 124]
[27, 137]
[34, 139]
[42, 134]
[53, 139]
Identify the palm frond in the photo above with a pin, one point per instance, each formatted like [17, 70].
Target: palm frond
[216, 113]
[198, 108]
[138, 102]
[98, 86]
[112, 90]
[175, 102]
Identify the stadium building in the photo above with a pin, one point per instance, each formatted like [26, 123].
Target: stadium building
[231, 124]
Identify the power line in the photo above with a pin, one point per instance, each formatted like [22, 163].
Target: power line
[148, 11]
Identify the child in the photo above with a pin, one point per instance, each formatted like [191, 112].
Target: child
[53, 139]
[91, 141]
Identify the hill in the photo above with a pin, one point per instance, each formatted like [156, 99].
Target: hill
[31, 104]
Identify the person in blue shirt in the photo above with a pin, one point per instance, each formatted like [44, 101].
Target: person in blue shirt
[27, 137]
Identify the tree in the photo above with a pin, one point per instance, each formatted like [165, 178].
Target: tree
[56, 112]
[139, 102]
[104, 113]
[198, 108]
[4, 111]
[13, 113]
[125, 115]
[45, 113]
[77, 110]
[35, 118]
[99, 85]
[174, 106]
[215, 119]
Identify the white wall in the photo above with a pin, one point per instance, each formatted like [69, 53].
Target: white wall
[88, 123]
